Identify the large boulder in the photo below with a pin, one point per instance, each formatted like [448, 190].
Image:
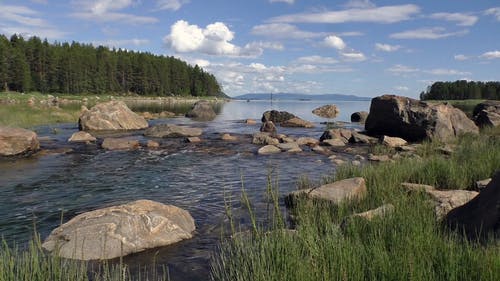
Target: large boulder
[297, 122]
[112, 115]
[120, 230]
[337, 192]
[359, 116]
[487, 113]
[277, 117]
[326, 111]
[481, 215]
[202, 110]
[172, 131]
[14, 141]
[415, 120]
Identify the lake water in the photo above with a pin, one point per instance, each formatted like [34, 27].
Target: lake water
[43, 190]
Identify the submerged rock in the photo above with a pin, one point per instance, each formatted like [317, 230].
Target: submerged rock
[15, 141]
[113, 115]
[172, 131]
[120, 230]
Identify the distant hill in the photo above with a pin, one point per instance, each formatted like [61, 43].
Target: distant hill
[305, 97]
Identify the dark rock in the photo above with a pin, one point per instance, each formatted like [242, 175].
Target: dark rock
[277, 117]
[342, 134]
[202, 110]
[487, 113]
[415, 120]
[15, 141]
[481, 215]
[359, 116]
[268, 127]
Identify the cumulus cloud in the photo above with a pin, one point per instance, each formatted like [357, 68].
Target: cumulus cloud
[284, 1]
[106, 11]
[283, 31]
[386, 47]
[427, 33]
[214, 39]
[26, 22]
[316, 60]
[494, 12]
[490, 55]
[335, 42]
[385, 14]
[461, 57]
[173, 5]
[460, 18]
[353, 56]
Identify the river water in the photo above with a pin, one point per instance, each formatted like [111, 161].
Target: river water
[44, 190]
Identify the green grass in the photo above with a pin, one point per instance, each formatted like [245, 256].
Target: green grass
[409, 244]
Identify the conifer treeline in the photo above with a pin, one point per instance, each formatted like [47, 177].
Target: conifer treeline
[36, 65]
[462, 89]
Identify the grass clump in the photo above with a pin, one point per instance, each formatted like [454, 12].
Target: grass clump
[408, 244]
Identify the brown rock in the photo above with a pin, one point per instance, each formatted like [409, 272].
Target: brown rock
[228, 137]
[268, 149]
[152, 144]
[113, 115]
[14, 141]
[340, 133]
[297, 122]
[250, 122]
[415, 120]
[289, 146]
[172, 131]
[361, 138]
[379, 212]
[333, 142]
[81, 136]
[307, 141]
[120, 230]
[337, 192]
[276, 116]
[120, 144]
[393, 141]
[166, 114]
[326, 111]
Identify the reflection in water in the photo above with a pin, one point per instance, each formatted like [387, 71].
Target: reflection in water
[195, 177]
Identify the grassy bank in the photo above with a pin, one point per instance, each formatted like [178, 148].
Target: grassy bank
[409, 244]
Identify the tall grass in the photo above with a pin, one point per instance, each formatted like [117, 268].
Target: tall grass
[408, 244]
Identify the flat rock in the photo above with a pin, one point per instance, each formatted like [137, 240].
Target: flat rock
[120, 144]
[113, 115]
[172, 131]
[326, 111]
[250, 122]
[393, 141]
[16, 141]
[81, 136]
[480, 185]
[337, 192]
[152, 144]
[120, 230]
[297, 122]
[333, 142]
[268, 149]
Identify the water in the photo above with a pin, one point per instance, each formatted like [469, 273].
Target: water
[45, 190]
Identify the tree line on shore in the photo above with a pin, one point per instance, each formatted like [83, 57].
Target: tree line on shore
[77, 68]
[462, 89]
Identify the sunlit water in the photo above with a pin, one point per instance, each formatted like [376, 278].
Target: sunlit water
[45, 190]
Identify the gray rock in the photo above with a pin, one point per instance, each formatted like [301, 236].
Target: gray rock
[326, 111]
[81, 136]
[415, 120]
[172, 131]
[262, 138]
[120, 144]
[15, 141]
[359, 116]
[113, 115]
[202, 110]
[120, 230]
[297, 122]
[487, 113]
[268, 149]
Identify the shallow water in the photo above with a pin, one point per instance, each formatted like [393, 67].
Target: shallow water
[45, 190]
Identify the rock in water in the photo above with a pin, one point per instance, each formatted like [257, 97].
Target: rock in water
[172, 131]
[297, 122]
[14, 141]
[113, 115]
[326, 111]
[120, 144]
[359, 116]
[81, 136]
[202, 110]
[268, 127]
[481, 215]
[487, 113]
[277, 117]
[120, 230]
[414, 120]
[268, 149]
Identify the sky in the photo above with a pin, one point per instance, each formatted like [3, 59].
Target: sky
[359, 47]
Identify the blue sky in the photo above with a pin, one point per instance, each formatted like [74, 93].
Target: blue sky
[361, 47]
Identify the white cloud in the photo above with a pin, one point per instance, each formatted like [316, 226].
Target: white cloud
[446, 72]
[427, 33]
[173, 5]
[265, 45]
[402, 69]
[490, 55]
[461, 57]
[26, 22]
[335, 42]
[284, 1]
[282, 31]
[353, 56]
[385, 14]
[316, 60]
[122, 43]
[214, 39]
[351, 33]
[399, 69]
[460, 18]
[401, 88]
[105, 11]
[386, 47]
[359, 4]
[494, 12]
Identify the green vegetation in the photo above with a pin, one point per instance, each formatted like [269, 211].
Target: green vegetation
[76, 68]
[462, 89]
[408, 244]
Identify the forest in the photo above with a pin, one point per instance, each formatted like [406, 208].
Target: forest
[461, 90]
[34, 65]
